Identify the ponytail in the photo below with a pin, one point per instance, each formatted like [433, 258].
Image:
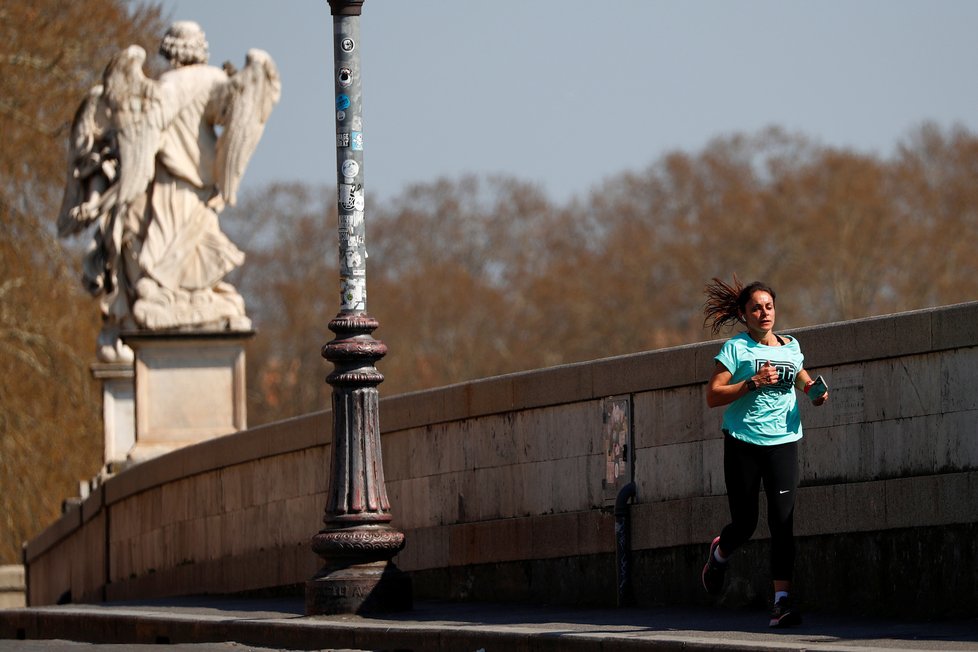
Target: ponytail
[726, 304]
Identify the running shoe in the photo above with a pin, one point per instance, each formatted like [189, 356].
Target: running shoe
[713, 571]
[784, 614]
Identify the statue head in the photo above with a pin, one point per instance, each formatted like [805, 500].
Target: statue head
[184, 43]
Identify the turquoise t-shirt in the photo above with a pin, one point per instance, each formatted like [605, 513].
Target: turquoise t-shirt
[768, 415]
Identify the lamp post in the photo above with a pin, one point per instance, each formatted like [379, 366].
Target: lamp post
[357, 542]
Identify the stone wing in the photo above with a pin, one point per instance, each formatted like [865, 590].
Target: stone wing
[90, 164]
[245, 104]
[136, 108]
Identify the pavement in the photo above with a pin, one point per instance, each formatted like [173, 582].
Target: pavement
[212, 624]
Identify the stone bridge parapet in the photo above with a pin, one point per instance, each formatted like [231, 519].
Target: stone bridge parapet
[500, 486]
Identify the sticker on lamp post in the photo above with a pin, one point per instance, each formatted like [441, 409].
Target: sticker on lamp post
[353, 294]
[350, 169]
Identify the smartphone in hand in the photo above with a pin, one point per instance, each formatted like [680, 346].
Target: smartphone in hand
[818, 389]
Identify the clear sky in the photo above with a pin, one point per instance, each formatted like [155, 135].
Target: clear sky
[569, 93]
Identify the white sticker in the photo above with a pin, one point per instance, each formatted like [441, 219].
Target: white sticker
[344, 77]
[348, 45]
[350, 168]
[353, 295]
[340, 116]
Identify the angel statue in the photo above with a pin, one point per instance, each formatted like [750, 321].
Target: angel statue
[148, 173]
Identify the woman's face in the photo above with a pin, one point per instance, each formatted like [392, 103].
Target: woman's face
[759, 312]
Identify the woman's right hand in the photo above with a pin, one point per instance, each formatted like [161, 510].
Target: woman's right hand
[768, 375]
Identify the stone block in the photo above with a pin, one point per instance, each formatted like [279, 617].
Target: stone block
[531, 436]
[491, 395]
[820, 510]
[705, 359]
[12, 587]
[955, 326]
[570, 484]
[553, 386]
[416, 503]
[847, 402]
[150, 510]
[661, 524]
[213, 539]
[207, 498]
[290, 467]
[827, 455]
[595, 533]
[175, 501]
[190, 387]
[595, 469]
[645, 371]
[888, 336]
[425, 548]
[462, 545]
[554, 535]
[903, 387]
[907, 446]
[912, 502]
[538, 482]
[820, 343]
[708, 515]
[397, 447]
[417, 409]
[669, 416]
[575, 430]
[674, 471]
[438, 448]
[118, 408]
[957, 445]
[446, 500]
[714, 481]
[488, 442]
[958, 497]
[958, 379]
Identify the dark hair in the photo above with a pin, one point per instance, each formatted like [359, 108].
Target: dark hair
[726, 303]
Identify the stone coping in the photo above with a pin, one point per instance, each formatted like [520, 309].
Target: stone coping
[908, 333]
[12, 577]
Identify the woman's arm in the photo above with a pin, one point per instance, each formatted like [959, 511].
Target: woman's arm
[802, 379]
[719, 391]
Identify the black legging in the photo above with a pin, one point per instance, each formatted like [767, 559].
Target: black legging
[744, 466]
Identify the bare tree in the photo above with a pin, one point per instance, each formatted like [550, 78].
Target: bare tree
[50, 430]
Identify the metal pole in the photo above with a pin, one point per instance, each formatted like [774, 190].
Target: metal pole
[357, 542]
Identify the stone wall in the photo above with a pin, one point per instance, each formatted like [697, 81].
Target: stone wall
[499, 485]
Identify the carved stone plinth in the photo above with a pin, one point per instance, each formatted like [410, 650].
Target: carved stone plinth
[190, 387]
[357, 542]
[118, 410]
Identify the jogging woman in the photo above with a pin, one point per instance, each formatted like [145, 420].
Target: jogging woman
[755, 376]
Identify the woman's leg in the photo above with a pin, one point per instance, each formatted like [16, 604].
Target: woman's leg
[780, 486]
[742, 468]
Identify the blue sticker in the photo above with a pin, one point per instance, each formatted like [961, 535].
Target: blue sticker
[342, 102]
[356, 140]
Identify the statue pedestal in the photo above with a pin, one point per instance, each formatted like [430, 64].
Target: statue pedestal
[118, 410]
[190, 387]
